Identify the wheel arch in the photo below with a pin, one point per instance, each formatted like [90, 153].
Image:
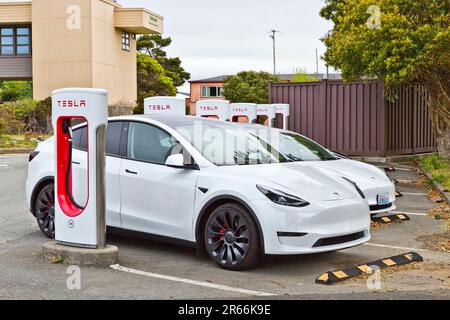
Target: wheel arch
[38, 187]
[213, 204]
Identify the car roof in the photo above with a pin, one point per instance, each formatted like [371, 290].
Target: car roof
[176, 120]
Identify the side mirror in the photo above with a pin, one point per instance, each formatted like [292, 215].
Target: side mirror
[175, 161]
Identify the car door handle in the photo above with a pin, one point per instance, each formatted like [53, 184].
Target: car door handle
[75, 162]
[130, 172]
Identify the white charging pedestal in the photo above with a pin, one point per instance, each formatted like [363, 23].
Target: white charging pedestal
[80, 229]
[248, 110]
[267, 111]
[165, 105]
[218, 109]
[284, 110]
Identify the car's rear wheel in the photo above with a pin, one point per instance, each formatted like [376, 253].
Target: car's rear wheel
[45, 210]
[231, 237]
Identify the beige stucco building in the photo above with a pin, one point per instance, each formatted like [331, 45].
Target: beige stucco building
[73, 43]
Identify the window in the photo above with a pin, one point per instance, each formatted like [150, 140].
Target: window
[113, 133]
[76, 137]
[83, 145]
[149, 143]
[15, 41]
[125, 41]
[211, 91]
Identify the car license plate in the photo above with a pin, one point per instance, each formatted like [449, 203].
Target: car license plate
[383, 198]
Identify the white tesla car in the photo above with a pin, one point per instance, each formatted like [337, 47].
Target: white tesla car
[212, 184]
[290, 146]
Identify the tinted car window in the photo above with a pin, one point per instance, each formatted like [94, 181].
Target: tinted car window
[76, 138]
[149, 143]
[113, 132]
[83, 139]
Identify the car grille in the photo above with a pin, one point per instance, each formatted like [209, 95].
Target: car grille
[380, 207]
[338, 240]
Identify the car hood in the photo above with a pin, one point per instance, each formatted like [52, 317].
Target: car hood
[308, 182]
[365, 175]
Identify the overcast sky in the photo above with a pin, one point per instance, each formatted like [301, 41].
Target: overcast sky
[214, 38]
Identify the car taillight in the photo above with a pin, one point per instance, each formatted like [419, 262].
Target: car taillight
[33, 155]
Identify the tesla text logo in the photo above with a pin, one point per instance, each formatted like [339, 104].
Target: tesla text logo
[263, 110]
[209, 108]
[72, 103]
[240, 110]
[159, 107]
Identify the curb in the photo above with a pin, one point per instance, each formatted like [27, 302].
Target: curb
[15, 151]
[437, 185]
[391, 218]
[57, 253]
[332, 277]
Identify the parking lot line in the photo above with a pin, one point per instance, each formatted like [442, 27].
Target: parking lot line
[394, 247]
[410, 213]
[191, 282]
[414, 194]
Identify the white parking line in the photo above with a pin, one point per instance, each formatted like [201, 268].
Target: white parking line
[192, 282]
[3, 166]
[414, 194]
[393, 247]
[410, 213]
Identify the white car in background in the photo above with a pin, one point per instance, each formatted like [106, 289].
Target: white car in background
[235, 200]
[289, 146]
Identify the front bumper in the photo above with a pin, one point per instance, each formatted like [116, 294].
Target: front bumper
[319, 227]
[372, 191]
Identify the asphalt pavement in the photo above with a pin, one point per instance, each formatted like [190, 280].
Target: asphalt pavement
[155, 270]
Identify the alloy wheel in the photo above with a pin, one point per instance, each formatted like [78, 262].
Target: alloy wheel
[227, 237]
[45, 211]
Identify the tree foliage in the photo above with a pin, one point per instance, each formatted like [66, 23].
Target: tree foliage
[15, 90]
[405, 42]
[249, 86]
[154, 45]
[300, 75]
[152, 80]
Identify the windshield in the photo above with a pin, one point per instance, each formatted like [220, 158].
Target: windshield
[298, 148]
[292, 147]
[224, 144]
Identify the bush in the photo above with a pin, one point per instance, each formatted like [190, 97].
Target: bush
[26, 115]
[15, 90]
[10, 123]
[438, 168]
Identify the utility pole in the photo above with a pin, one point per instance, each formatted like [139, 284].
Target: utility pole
[273, 37]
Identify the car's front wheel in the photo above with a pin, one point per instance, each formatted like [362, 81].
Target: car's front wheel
[45, 210]
[231, 237]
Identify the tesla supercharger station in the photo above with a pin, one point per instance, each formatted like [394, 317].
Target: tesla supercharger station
[284, 110]
[219, 109]
[248, 110]
[80, 225]
[165, 105]
[267, 111]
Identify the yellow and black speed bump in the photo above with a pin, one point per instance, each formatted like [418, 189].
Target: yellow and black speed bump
[398, 194]
[332, 277]
[390, 219]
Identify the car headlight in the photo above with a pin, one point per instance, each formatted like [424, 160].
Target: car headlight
[361, 193]
[282, 198]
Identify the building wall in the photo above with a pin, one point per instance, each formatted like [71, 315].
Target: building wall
[90, 56]
[112, 67]
[197, 96]
[15, 13]
[61, 56]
